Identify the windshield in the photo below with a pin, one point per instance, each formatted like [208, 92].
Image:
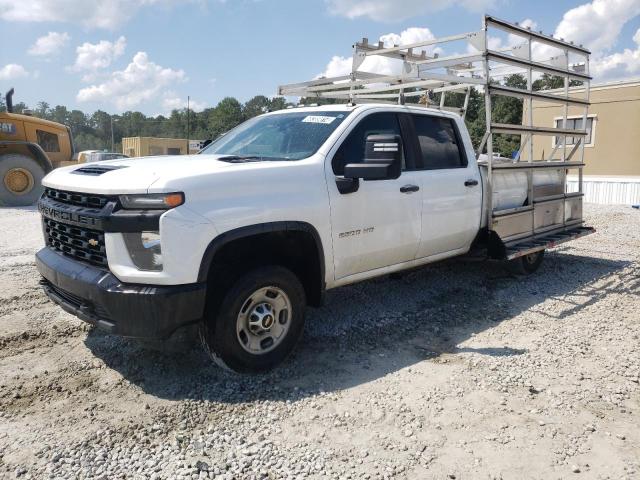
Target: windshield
[284, 136]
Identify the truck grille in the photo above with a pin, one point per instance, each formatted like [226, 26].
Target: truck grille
[78, 199]
[80, 243]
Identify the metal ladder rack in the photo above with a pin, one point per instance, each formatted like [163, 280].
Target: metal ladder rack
[544, 213]
[421, 75]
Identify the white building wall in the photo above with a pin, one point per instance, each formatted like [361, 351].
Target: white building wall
[607, 190]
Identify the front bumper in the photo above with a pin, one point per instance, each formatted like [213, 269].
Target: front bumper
[96, 296]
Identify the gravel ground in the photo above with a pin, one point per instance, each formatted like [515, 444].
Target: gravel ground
[457, 371]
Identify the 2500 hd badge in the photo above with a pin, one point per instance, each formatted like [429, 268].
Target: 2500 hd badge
[354, 233]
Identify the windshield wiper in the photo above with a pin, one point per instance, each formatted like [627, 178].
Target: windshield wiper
[248, 158]
[240, 158]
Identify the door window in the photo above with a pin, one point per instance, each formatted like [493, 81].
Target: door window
[352, 149]
[48, 141]
[439, 142]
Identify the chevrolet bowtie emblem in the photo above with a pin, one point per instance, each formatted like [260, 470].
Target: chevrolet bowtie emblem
[93, 242]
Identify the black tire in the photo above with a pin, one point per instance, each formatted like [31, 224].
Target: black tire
[16, 161]
[527, 264]
[219, 333]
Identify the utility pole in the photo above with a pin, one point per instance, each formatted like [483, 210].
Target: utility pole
[188, 150]
[112, 143]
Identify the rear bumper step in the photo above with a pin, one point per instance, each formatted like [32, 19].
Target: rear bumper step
[545, 241]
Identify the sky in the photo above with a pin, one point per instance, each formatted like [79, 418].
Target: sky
[149, 55]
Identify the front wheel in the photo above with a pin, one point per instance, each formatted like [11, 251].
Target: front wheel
[20, 180]
[257, 322]
[526, 264]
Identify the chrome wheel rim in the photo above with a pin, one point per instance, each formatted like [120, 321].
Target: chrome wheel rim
[19, 181]
[263, 321]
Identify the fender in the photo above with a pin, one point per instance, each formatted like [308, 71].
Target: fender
[37, 153]
[249, 230]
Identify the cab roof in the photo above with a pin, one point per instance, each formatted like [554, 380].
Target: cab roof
[32, 119]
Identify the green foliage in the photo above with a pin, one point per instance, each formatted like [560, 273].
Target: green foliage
[504, 110]
[93, 131]
[226, 115]
[549, 82]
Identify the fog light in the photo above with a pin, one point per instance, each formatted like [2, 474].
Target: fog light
[144, 249]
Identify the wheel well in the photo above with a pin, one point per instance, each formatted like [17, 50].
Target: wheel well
[41, 157]
[29, 149]
[297, 250]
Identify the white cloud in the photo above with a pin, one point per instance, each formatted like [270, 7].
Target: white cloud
[173, 102]
[337, 67]
[91, 14]
[141, 81]
[50, 44]
[13, 71]
[391, 10]
[619, 65]
[597, 24]
[94, 56]
[342, 65]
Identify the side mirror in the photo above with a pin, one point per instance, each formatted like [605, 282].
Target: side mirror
[382, 159]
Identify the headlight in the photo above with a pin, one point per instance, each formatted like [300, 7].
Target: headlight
[145, 250]
[152, 201]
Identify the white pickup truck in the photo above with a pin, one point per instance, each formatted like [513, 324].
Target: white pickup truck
[243, 236]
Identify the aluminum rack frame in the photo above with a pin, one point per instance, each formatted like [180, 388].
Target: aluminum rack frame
[421, 75]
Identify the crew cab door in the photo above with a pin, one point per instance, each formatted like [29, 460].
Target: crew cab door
[378, 224]
[450, 185]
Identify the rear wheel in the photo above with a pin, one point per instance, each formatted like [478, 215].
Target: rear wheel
[257, 322]
[526, 264]
[20, 180]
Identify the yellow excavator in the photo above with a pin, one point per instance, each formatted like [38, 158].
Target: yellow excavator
[30, 147]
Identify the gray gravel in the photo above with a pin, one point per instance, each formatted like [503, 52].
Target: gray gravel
[458, 370]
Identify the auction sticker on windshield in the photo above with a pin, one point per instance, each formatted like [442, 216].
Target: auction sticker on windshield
[318, 119]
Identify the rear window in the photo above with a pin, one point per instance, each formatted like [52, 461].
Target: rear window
[439, 143]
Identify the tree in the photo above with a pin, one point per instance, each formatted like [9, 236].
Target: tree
[278, 103]
[504, 110]
[77, 122]
[20, 107]
[226, 115]
[508, 110]
[549, 82]
[59, 114]
[475, 118]
[42, 110]
[256, 106]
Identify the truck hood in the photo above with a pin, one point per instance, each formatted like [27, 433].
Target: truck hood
[133, 175]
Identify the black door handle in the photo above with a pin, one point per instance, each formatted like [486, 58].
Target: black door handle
[409, 188]
[471, 183]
